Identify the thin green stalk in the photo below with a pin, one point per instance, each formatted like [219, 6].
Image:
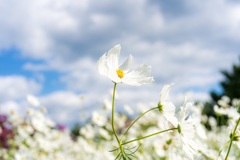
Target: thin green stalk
[150, 135]
[224, 146]
[113, 128]
[113, 110]
[232, 138]
[136, 121]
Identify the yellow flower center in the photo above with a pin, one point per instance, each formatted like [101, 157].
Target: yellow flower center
[120, 73]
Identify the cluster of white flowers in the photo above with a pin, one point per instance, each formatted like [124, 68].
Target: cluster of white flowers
[36, 137]
[173, 132]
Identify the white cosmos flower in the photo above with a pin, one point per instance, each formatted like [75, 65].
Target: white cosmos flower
[186, 131]
[166, 107]
[108, 65]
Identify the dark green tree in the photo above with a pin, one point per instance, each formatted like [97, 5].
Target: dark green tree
[75, 131]
[230, 87]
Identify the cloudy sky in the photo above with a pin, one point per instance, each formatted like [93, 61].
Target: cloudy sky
[49, 49]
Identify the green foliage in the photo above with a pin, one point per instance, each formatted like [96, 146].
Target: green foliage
[230, 86]
[75, 130]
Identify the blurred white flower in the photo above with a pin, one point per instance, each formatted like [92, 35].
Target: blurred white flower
[236, 102]
[20, 156]
[104, 133]
[108, 66]
[33, 100]
[166, 107]
[98, 118]
[224, 102]
[231, 112]
[212, 122]
[220, 111]
[87, 131]
[39, 121]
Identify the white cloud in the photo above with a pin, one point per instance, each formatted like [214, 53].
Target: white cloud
[13, 92]
[68, 107]
[62, 98]
[66, 30]
[10, 106]
[17, 87]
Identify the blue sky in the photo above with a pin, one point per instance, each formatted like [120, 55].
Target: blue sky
[11, 63]
[49, 49]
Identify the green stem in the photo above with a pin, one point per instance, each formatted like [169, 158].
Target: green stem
[113, 128]
[113, 108]
[150, 135]
[136, 121]
[232, 138]
[224, 146]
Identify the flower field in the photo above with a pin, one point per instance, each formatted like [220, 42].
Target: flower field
[157, 131]
[36, 137]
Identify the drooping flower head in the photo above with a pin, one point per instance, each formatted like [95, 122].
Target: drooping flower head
[108, 65]
[186, 130]
[166, 107]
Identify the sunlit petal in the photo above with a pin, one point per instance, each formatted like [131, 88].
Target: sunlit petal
[102, 65]
[113, 56]
[127, 64]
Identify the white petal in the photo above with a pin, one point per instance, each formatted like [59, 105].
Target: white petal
[172, 119]
[127, 64]
[139, 76]
[102, 65]
[169, 113]
[113, 57]
[113, 76]
[165, 93]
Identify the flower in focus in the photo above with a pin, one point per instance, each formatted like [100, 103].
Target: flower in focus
[108, 65]
[166, 107]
